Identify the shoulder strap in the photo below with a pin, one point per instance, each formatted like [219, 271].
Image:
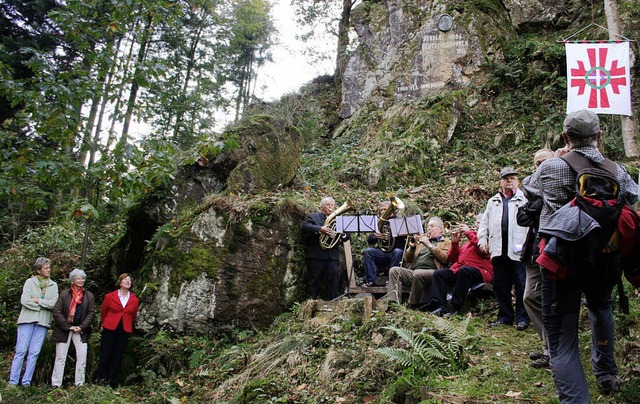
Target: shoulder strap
[578, 162]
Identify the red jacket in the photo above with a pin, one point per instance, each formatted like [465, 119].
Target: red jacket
[112, 311]
[470, 255]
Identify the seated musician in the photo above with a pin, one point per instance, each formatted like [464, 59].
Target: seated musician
[429, 253]
[383, 252]
[470, 266]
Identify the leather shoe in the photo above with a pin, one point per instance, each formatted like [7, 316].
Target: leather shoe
[497, 323]
[541, 362]
[535, 355]
[522, 325]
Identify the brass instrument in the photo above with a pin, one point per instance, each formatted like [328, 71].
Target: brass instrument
[328, 242]
[387, 242]
[447, 228]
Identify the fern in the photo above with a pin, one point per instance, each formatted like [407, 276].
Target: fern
[441, 349]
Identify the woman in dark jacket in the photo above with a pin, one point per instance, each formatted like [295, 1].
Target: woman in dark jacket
[119, 310]
[73, 313]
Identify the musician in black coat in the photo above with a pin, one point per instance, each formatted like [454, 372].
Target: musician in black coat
[322, 265]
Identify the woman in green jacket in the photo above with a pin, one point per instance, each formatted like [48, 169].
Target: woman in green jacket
[39, 295]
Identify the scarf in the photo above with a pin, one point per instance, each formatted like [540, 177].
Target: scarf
[43, 283]
[76, 299]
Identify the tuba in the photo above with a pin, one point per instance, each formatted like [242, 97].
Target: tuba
[328, 242]
[387, 242]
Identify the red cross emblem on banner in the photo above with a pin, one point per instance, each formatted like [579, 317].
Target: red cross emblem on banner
[598, 77]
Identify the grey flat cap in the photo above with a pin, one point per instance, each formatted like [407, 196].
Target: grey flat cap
[508, 171]
[583, 123]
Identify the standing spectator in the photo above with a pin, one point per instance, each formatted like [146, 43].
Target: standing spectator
[322, 265]
[73, 313]
[500, 236]
[119, 311]
[530, 215]
[561, 298]
[39, 295]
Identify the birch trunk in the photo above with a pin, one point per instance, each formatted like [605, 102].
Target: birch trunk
[627, 123]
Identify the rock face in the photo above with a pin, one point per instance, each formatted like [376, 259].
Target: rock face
[410, 49]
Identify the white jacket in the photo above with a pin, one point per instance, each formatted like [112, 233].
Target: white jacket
[490, 229]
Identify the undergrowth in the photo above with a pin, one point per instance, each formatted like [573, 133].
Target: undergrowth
[400, 357]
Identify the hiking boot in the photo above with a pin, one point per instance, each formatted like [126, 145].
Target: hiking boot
[608, 384]
[541, 363]
[522, 325]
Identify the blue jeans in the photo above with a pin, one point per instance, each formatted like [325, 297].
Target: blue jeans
[561, 300]
[508, 273]
[375, 257]
[30, 339]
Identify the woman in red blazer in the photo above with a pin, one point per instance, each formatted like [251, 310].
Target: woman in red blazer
[119, 310]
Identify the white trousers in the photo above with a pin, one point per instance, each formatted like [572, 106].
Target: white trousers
[61, 358]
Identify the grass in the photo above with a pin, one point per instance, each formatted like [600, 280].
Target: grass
[334, 359]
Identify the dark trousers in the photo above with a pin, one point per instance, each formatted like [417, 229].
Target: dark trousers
[375, 258]
[461, 282]
[561, 301]
[508, 273]
[112, 347]
[322, 278]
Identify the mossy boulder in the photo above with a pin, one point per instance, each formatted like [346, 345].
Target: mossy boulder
[232, 262]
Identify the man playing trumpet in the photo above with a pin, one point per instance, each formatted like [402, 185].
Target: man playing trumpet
[470, 266]
[426, 255]
[377, 258]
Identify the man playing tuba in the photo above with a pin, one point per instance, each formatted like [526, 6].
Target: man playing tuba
[384, 251]
[322, 255]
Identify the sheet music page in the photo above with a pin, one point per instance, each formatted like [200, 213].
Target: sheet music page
[402, 226]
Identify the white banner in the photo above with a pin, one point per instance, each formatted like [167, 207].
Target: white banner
[598, 78]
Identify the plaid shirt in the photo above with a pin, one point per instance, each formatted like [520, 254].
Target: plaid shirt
[554, 182]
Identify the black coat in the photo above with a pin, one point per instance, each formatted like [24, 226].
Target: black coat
[311, 234]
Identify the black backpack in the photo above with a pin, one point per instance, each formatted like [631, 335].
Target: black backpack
[598, 194]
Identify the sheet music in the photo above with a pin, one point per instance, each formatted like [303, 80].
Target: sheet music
[356, 224]
[402, 226]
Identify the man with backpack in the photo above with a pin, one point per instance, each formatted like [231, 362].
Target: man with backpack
[593, 275]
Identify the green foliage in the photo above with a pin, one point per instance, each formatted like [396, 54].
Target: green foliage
[427, 352]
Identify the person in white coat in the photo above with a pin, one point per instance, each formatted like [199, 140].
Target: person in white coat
[501, 237]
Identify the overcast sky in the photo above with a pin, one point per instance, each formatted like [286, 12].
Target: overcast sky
[290, 69]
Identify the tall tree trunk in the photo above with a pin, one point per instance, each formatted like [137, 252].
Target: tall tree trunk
[116, 110]
[133, 92]
[343, 42]
[627, 123]
[103, 106]
[187, 77]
